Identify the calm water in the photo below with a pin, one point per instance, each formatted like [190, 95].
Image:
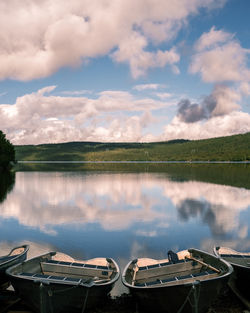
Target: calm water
[121, 215]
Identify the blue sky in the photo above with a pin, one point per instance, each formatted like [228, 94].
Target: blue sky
[116, 70]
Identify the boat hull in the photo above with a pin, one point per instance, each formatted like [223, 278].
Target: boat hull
[56, 298]
[6, 263]
[173, 292]
[49, 285]
[172, 299]
[240, 278]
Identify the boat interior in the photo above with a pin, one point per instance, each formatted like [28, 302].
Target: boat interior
[232, 256]
[185, 269]
[99, 271]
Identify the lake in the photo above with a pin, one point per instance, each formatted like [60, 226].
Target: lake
[127, 212]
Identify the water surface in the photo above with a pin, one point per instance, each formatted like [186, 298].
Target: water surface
[122, 215]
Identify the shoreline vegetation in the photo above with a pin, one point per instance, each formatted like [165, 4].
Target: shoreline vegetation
[128, 158]
[7, 153]
[234, 148]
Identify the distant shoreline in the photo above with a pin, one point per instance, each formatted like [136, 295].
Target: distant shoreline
[232, 149]
[135, 162]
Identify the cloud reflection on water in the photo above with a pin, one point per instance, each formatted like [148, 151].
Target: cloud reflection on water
[118, 201]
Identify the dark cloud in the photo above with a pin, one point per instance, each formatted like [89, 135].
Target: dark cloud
[220, 102]
[190, 112]
[209, 103]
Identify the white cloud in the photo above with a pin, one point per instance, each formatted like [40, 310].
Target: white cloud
[148, 87]
[115, 116]
[226, 100]
[245, 88]
[223, 100]
[111, 116]
[132, 51]
[212, 38]
[76, 92]
[165, 30]
[45, 90]
[39, 37]
[163, 95]
[234, 123]
[219, 58]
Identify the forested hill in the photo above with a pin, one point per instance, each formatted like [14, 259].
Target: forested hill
[231, 148]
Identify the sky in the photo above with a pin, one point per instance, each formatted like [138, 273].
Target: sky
[123, 70]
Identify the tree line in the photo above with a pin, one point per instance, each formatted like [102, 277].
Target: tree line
[230, 148]
[7, 152]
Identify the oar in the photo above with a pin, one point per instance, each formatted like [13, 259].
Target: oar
[135, 271]
[101, 280]
[203, 263]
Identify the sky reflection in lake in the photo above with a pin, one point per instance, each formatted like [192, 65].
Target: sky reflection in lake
[122, 215]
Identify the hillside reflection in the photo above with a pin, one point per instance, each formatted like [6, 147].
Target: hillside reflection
[119, 201]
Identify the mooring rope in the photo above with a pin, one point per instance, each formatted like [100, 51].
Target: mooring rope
[196, 297]
[85, 301]
[51, 292]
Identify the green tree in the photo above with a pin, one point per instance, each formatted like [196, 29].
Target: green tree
[7, 151]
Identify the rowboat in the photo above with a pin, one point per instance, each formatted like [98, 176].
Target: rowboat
[240, 279]
[55, 282]
[16, 255]
[185, 282]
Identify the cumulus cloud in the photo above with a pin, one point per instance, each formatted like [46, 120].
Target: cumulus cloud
[234, 123]
[109, 116]
[39, 37]
[245, 88]
[132, 51]
[119, 116]
[190, 112]
[220, 58]
[212, 39]
[222, 101]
